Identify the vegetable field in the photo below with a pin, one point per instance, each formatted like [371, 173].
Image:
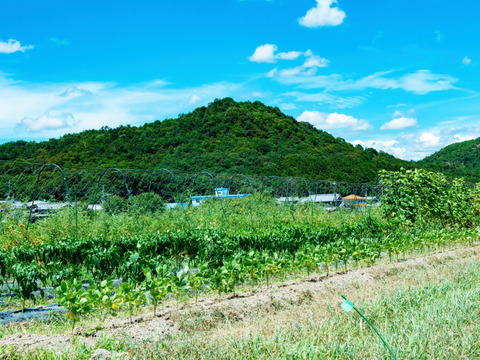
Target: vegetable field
[75, 253]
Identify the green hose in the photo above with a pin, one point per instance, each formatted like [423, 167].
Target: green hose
[347, 306]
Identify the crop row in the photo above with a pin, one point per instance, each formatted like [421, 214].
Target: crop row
[251, 267]
[102, 258]
[221, 275]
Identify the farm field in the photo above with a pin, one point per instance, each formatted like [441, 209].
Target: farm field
[425, 307]
[169, 278]
[243, 179]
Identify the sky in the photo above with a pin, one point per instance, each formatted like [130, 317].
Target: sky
[400, 76]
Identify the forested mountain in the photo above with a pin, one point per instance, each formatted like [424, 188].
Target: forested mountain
[224, 137]
[457, 160]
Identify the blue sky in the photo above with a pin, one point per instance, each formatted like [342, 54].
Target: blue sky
[401, 76]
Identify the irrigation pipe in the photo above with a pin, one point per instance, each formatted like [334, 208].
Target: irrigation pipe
[348, 306]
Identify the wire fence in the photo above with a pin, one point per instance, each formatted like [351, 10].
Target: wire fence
[28, 182]
[145, 200]
[89, 200]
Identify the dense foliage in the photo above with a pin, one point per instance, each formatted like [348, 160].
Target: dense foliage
[421, 196]
[225, 137]
[457, 160]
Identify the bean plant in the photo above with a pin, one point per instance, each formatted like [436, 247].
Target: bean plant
[75, 298]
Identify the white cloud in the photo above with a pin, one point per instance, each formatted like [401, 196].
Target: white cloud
[323, 15]
[309, 67]
[272, 73]
[461, 138]
[429, 139]
[314, 60]
[291, 55]
[466, 60]
[325, 98]
[73, 92]
[399, 123]
[396, 105]
[50, 110]
[256, 94]
[406, 146]
[417, 145]
[11, 46]
[288, 106]
[267, 54]
[397, 113]
[158, 83]
[389, 146]
[194, 99]
[333, 121]
[264, 53]
[49, 121]
[420, 82]
[423, 81]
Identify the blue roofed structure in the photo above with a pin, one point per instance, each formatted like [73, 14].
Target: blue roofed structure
[219, 193]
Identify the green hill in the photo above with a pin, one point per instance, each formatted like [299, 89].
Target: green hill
[457, 160]
[224, 137]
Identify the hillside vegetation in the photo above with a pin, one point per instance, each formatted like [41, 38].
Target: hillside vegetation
[224, 137]
[457, 160]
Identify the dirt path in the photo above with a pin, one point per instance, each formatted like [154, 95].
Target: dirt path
[210, 310]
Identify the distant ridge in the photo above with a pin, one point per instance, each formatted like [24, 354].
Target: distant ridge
[457, 160]
[224, 137]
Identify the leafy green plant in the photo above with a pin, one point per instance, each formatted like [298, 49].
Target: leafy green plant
[219, 280]
[234, 273]
[6, 259]
[130, 295]
[269, 265]
[250, 264]
[131, 268]
[309, 258]
[420, 195]
[198, 279]
[148, 203]
[75, 298]
[26, 277]
[116, 204]
[101, 296]
[178, 283]
[157, 285]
